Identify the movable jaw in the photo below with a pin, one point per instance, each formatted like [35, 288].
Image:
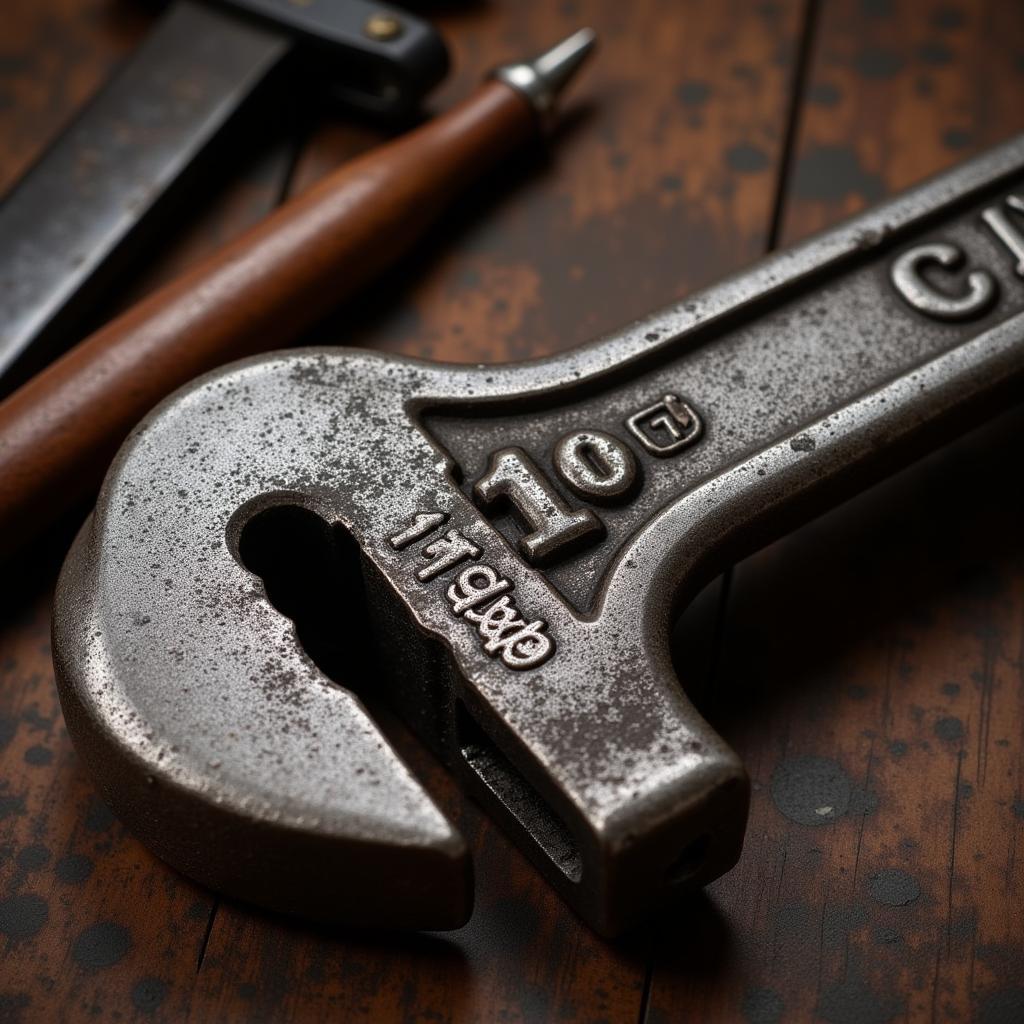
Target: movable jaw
[506, 548]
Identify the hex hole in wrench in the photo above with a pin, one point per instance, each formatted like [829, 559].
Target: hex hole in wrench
[689, 862]
[517, 796]
[311, 573]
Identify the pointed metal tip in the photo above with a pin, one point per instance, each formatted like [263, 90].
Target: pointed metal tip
[543, 79]
[558, 65]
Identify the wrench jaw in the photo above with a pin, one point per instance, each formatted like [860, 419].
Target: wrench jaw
[698, 839]
[209, 731]
[218, 741]
[645, 859]
[626, 821]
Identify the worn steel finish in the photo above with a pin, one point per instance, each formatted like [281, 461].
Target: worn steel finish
[70, 223]
[547, 687]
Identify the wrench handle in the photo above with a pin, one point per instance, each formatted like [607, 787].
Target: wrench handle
[59, 431]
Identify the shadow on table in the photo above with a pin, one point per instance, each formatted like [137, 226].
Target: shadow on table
[944, 533]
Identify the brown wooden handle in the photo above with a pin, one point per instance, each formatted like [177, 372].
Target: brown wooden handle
[60, 430]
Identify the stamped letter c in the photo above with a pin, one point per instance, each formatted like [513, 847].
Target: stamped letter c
[926, 298]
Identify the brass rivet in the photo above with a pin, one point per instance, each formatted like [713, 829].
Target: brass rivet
[383, 27]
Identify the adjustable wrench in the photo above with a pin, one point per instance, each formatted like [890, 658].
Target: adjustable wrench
[508, 547]
[72, 222]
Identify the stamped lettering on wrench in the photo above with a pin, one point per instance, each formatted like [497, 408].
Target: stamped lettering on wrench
[478, 594]
[666, 427]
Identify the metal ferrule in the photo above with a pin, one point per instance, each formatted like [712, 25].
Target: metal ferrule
[543, 79]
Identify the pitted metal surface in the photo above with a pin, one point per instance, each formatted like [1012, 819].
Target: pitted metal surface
[539, 672]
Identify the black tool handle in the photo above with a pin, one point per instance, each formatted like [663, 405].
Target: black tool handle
[371, 56]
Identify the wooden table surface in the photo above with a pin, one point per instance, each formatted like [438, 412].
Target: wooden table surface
[873, 661]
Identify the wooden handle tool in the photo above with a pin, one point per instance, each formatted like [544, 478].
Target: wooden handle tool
[59, 431]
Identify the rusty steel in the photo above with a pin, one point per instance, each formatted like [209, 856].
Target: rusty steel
[212, 688]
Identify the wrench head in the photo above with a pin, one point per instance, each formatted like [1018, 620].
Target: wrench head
[195, 653]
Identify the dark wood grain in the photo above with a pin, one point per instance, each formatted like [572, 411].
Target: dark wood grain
[662, 180]
[897, 91]
[889, 649]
